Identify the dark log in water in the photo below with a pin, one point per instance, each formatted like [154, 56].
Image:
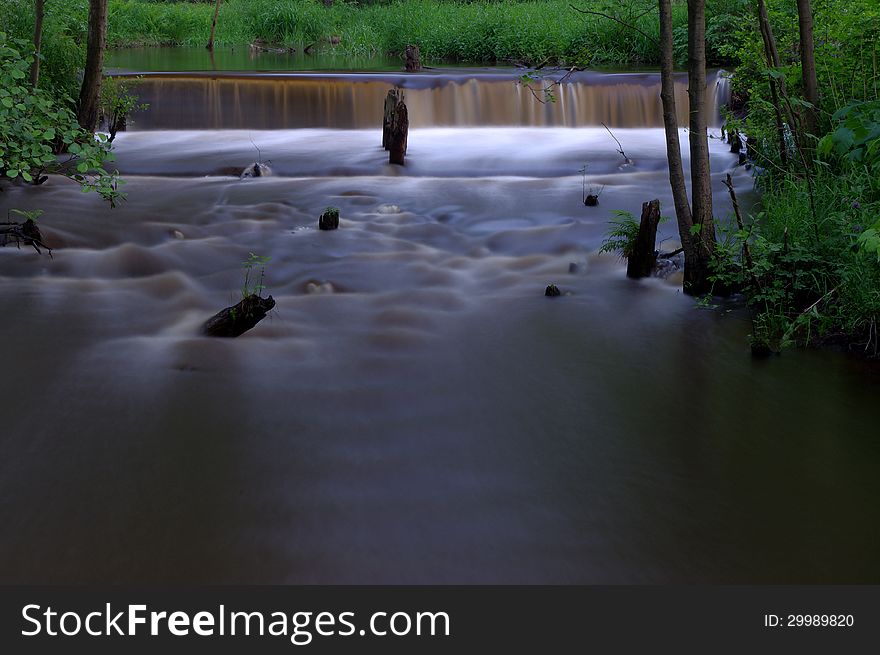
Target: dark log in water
[413, 59]
[641, 262]
[391, 100]
[235, 321]
[399, 132]
[26, 233]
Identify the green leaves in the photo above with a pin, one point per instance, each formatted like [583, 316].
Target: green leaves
[33, 128]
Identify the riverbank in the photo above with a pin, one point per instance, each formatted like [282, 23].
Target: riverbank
[473, 32]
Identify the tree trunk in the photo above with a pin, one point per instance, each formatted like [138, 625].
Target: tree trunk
[772, 56]
[38, 40]
[413, 59]
[696, 272]
[89, 95]
[673, 144]
[641, 261]
[210, 45]
[808, 65]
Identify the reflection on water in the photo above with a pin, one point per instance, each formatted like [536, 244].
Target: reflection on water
[437, 419]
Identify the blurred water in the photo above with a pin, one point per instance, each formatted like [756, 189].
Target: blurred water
[436, 418]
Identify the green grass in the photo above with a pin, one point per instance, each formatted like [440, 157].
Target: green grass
[445, 31]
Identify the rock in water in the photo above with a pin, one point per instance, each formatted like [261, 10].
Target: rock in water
[329, 220]
[256, 170]
[591, 200]
[235, 321]
[552, 291]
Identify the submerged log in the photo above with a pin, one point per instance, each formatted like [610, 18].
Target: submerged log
[641, 262]
[26, 233]
[391, 101]
[399, 133]
[413, 59]
[238, 319]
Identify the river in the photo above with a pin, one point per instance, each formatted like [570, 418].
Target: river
[414, 410]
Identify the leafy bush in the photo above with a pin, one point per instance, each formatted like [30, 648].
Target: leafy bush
[33, 127]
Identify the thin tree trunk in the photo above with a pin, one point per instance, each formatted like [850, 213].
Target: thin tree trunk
[38, 40]
[696, 276]
[89, 95]
[808, 64]
[210, 45]
[670, 122]
[772, 56]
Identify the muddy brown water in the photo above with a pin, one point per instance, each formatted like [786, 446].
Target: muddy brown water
[436, 419]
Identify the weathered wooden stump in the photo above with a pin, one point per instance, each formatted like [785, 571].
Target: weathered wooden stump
[329, 220]
[552, 291]
[238, 319]
[391, 100]
[413, 59]
[399, 133]
[641, 262]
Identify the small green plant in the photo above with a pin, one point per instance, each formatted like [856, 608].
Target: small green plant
[252, 262]
[622, 235]
[27, 214]
[118, 103]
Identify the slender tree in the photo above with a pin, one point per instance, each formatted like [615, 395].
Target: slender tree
[89, 104]
[772, 56]
[701, 179]
[38, 40]
[670, 122]
[808, 64]
[696, 226]
[210, 45]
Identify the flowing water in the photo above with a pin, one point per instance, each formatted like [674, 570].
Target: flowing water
[415, 410]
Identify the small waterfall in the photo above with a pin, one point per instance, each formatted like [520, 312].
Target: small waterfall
[721, 95]
[354, 101]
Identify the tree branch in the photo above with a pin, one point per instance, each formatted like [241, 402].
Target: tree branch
[619, 21]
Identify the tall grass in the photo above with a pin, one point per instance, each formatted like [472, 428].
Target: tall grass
[528, 31]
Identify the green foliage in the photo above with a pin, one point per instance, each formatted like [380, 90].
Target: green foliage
[809, 281]
[118, 103]
[253, 261]
[482, 31]
[63, 45]
[27, 215]
[622, 234]
[33, 127]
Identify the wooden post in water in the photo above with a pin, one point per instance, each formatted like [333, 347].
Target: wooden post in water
[391, 101]
[399, 132]
[413, 59]
[641, 261]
